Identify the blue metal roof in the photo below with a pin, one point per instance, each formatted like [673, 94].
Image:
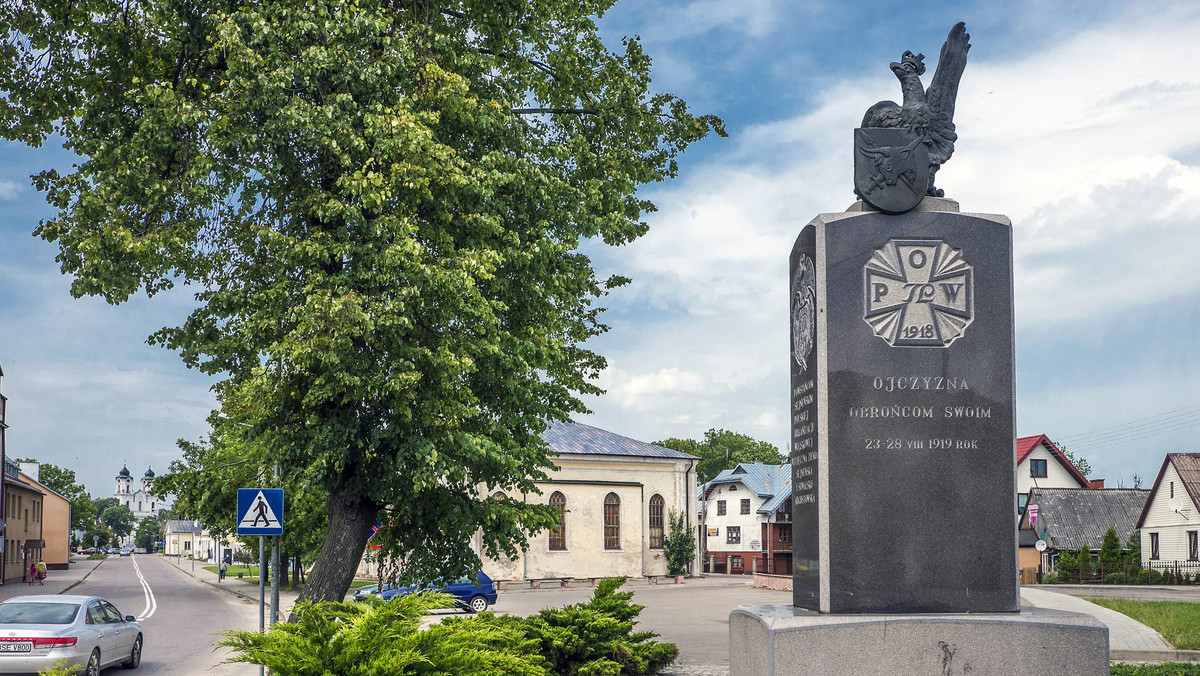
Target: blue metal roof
[579, 439]
[773, 482]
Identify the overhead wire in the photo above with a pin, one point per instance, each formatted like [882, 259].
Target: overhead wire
[1180, 418]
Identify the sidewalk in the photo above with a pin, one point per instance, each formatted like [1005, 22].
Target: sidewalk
[1128, 639]
[233, 585]
[57, 581]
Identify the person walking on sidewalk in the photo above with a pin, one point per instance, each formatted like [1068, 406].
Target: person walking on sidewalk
[41, 572]
[32, 572]
[221, 570]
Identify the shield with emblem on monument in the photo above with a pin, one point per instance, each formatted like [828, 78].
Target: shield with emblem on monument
[891, 168]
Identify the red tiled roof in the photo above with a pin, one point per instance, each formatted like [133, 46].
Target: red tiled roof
[1025, 446]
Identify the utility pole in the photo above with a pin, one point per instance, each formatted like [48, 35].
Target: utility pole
[275, 566]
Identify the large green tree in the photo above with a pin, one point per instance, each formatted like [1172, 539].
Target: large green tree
[722, 449]
[148, 533]
[103, 504]
[204, 484]
[119, 519]
[380, 207]
[64, 482]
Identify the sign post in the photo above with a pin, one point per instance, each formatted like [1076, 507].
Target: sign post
[260, 512]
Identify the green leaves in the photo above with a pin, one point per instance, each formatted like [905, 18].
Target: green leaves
[380, 206]
[722, 449]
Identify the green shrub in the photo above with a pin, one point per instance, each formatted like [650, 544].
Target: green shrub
[596, 638]
[61, 668]
[680, 544]
[1114, 578]
[380, 638]
[384, 638]
[1084, 563]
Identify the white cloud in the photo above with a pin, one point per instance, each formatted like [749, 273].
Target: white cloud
[1078, 144]
[9, 189]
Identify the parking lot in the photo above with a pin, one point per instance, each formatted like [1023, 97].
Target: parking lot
[693, 615]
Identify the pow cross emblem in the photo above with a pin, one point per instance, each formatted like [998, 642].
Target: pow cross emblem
[918, 293]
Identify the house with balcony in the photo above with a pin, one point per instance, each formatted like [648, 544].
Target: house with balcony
[746, 520]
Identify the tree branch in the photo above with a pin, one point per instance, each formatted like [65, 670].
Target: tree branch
[554, 111]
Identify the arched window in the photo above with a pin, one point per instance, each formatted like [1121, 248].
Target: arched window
[657, 504]
[612, 521]
[558, 536]
[499, 495]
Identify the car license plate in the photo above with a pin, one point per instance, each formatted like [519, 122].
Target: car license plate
[12, 647]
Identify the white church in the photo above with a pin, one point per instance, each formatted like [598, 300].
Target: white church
[142, 502]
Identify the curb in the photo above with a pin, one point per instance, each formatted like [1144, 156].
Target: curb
[78, 582]
[1154, 655]
[225, 588]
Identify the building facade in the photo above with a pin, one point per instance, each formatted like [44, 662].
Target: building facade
[55, 519]
[23, 543]
[1170, 522]
[1040, 464]
[614, 495]
[746, 520]
[1067, 518]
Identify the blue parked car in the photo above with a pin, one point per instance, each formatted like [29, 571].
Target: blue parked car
[474, 595]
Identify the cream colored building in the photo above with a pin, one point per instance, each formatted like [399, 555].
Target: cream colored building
[186, 538]
[615, 494]
[55, 517]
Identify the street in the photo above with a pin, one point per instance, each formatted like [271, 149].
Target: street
[693, 615]
[181, 617]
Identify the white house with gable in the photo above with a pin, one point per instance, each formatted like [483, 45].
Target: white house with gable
[1170, 521]
[1040, 464]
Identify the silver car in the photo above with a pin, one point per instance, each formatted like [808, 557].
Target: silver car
[88, 631]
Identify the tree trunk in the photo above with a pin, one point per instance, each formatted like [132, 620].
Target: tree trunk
[346, 538]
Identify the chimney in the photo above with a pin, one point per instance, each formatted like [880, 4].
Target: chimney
[1095, 483]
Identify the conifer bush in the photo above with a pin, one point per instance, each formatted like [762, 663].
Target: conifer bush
[384, 638]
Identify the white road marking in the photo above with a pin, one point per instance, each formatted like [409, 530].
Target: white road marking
[151, 604]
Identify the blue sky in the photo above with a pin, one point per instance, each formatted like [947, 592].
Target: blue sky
[1078, 120]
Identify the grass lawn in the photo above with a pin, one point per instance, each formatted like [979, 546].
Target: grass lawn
[250, 574]
[1164, 669]
[1177, 621]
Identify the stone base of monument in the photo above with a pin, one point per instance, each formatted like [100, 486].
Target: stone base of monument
[786, 641]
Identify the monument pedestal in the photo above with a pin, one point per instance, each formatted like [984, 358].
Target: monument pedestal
[784, 640]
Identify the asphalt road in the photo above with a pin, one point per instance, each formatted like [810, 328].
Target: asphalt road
[693, 615]
[181, 618]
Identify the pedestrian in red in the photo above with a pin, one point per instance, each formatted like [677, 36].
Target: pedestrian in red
[32, 572]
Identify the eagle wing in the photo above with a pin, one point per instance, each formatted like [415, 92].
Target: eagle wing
[943, 90]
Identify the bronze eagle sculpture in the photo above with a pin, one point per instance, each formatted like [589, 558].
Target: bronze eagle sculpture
[928, 113]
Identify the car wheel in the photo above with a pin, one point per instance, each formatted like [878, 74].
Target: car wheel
[93, 664]
[478, 604]
[135, 657]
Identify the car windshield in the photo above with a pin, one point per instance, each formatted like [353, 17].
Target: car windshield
[38, 613]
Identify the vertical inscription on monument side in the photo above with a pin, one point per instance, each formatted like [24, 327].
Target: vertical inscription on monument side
[805, 511]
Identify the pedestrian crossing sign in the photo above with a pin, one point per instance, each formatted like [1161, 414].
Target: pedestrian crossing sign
[260, 511]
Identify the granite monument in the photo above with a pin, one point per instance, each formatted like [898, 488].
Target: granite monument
[904, 539]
